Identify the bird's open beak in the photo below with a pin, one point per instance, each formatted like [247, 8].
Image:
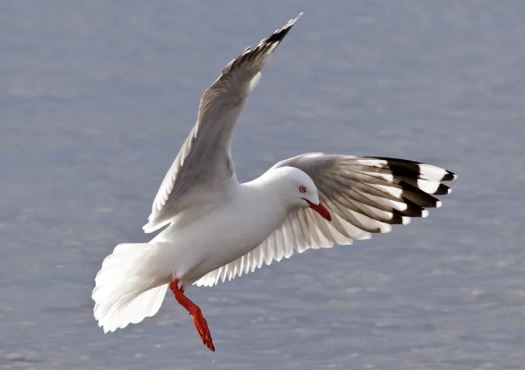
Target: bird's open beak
[321, 209]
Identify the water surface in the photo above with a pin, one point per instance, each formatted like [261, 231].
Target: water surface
[96, 97]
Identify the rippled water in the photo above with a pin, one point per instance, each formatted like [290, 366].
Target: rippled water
[96, 97]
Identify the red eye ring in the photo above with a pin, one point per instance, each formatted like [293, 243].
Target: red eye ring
[302, 189]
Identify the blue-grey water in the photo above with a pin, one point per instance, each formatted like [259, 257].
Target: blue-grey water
[96, 97]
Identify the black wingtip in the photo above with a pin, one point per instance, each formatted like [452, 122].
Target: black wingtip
[279, 34]
[450, 176]
[442, 189]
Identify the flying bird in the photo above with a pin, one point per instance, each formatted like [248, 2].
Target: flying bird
[216, 229]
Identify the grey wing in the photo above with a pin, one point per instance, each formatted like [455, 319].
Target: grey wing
[203, 169]
[364, 195]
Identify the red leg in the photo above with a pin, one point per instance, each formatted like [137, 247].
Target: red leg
[198, 319]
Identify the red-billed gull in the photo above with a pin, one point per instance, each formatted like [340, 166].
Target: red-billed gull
[218, 229]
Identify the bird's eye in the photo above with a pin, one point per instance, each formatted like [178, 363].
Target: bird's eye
[302, 189]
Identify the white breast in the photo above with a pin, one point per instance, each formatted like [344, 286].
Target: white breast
[226, 233]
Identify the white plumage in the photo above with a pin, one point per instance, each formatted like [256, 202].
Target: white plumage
[219, 229]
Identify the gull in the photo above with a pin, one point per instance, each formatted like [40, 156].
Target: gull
[215, 229]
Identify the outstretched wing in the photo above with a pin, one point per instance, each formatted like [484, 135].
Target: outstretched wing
[364, 195]
[203, 169]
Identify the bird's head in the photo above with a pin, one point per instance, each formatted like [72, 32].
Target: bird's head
[297, 189]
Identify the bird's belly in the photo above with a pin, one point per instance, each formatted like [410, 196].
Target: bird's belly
[216, 240]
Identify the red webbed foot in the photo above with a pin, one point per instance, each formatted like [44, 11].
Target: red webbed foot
[201, 325]
[202, 328]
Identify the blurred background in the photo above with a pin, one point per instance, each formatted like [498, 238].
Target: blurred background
[96, 98]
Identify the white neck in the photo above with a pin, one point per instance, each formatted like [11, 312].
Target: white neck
[269, 188]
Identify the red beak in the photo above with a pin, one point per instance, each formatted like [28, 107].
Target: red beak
[321, 209]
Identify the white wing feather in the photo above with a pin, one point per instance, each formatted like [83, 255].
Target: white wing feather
[364, 196]
[203, 170]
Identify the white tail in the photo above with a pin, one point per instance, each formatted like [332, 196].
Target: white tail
[125, 292]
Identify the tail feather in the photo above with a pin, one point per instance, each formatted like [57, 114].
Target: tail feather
[126, 291]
